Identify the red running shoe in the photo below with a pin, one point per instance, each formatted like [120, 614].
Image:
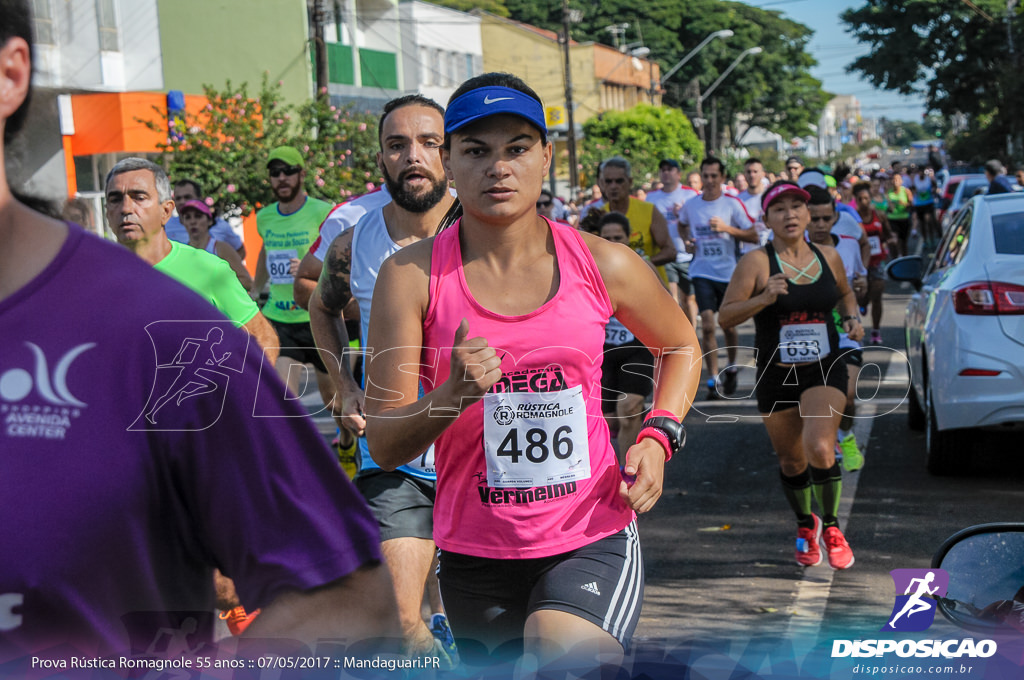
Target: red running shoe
[238, 619]
[808, 553]
[839, 554]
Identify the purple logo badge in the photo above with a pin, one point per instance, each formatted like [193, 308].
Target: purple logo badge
[917, 591]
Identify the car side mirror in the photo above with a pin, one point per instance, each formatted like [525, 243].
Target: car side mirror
[985, 564]
[909, 268]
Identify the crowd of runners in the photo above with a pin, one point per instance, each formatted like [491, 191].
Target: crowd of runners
[508, 375]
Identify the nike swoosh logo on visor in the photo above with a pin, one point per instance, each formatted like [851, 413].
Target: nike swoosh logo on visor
[488, 100]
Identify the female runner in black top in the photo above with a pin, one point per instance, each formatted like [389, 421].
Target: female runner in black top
[790, 288]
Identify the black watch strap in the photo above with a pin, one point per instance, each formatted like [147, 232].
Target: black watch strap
[673, 428]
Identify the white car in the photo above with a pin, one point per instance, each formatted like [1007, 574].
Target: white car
[965, 329]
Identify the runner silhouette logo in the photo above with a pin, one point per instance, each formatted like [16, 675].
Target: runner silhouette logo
[917, 592]
[194, 364]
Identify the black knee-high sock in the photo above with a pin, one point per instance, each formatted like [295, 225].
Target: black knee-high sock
[798, 492]
[828, 487]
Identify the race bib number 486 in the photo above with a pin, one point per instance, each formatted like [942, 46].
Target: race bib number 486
[535, 438]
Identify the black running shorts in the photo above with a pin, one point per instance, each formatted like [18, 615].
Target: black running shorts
[779, 387]
[709, 293]
[626, 369]
[296, 342]
[489, 600]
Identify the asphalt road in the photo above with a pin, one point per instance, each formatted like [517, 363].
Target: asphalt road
[719, 545]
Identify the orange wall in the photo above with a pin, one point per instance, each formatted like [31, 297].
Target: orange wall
[253, 242]
[616, 67]
[107, 122]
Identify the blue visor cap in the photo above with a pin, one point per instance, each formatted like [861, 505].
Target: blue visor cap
[490, 101]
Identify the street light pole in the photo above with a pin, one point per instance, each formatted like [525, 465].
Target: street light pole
[574, 176]
[320, 51]
[724, 33]
[725, 74]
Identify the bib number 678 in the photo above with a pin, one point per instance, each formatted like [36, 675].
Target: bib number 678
[537, 449]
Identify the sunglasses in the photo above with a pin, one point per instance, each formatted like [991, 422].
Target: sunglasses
[289, 170]
[793, 168]
[543, 204]
[616, 180]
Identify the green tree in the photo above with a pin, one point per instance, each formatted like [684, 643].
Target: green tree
[774, 89]
[958, 54]
[901, 133]
[492, 6]
[225, 146]
[643, 135]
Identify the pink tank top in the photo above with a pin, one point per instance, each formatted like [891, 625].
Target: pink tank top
[529, 470]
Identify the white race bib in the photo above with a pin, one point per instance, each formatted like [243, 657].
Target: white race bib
[713, 249]
[617, 334]
[535, 438]
[876, 245]
[802, 342]
[279, 264]
[425, 463]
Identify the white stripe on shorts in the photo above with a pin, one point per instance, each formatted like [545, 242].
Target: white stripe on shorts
[626, 597]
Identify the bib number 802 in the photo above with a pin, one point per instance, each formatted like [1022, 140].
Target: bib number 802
[537, 449]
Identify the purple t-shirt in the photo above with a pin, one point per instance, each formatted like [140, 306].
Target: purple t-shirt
[144, 441]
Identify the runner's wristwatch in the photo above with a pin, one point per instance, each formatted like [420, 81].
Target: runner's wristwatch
[668, 431]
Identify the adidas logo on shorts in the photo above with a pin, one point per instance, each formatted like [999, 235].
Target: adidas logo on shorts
[591, 588]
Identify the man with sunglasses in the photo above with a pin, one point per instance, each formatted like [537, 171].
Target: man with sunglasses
[794, 166]
[547, 207]
[411, 131]
[648, 235]
[288, 228]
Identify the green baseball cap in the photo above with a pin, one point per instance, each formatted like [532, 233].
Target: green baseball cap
[286, 154]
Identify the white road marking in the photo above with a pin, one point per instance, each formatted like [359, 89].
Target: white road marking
[812, 591]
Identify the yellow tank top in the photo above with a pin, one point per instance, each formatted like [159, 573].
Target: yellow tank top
[641, 241]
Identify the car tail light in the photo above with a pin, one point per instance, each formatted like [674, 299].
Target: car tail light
[989, 298]
[979, 372]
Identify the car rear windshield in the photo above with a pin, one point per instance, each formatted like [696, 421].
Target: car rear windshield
[972, 185]
[1009, 233]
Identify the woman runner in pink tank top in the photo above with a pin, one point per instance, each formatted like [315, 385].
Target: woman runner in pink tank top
[501, 318]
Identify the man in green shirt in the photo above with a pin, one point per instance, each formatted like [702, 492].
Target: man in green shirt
[139, 203]
[288, 228]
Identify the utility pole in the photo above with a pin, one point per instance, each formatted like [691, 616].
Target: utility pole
[699, 119]
[320, 49]
[714, 124]
[1013, 139]
[574, 176]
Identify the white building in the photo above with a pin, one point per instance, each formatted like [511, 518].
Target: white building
[442, 48]
[84, 45]
[841, 123]
[381, 49]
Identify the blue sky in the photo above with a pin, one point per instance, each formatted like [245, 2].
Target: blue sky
[834, 49]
